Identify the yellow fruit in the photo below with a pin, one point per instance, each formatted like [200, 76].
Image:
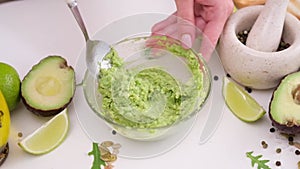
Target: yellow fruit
[10, 85]
[4, 121]
[240, 102]
[48, 136]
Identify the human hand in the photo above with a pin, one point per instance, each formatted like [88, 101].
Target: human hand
[193, 17]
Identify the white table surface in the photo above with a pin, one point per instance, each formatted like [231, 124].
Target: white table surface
[33, 29]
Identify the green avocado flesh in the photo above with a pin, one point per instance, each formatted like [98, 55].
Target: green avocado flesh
[151, 97]
[49, 86]
[285, 103]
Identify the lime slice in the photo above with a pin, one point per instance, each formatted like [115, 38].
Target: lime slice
[48, 136]
[240, 102]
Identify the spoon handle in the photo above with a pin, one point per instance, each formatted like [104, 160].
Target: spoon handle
[72, 4]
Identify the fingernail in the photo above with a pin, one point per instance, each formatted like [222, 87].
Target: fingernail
[186, 40]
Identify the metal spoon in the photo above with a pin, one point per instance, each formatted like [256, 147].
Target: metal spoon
[95, 50]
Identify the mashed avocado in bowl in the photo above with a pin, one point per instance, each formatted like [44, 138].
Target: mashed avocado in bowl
[148, 86]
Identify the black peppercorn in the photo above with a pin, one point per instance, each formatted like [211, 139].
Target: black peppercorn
[290, 138]
[278, 163]
[264, 144]
[248, 89]
[216, 78]
[243, 35]
[278, 150]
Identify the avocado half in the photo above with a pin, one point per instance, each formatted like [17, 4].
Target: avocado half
[49, 86]
[284, 108]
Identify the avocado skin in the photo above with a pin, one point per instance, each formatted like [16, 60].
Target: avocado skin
[44, 113]
[291, 130]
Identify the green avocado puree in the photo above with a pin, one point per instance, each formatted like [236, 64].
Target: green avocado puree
[151, 97]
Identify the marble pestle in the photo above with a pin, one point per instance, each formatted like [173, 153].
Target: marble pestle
[265, 34]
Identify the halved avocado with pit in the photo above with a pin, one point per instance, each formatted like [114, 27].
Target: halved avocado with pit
[49, 86]
[284, 108]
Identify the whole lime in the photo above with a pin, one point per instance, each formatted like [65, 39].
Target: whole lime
[10, 85]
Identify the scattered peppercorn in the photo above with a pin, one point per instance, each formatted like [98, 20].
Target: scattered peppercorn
[248, 89]
[278, 163]
[114, 132]
[278, 150]
[228, 75]
[20, 134]
[290, 138]
[297, 152]
[216, 78]
[264, 144]
[272, 130]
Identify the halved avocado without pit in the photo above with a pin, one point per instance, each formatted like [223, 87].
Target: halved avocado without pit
[284, 108]
[49, 86]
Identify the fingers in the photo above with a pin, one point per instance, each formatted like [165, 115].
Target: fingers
[200, 24]
[208, 45]
[216, 18]
[160, 26]
[180, 25]
[206, 16]
[168, 31]
[186, 20]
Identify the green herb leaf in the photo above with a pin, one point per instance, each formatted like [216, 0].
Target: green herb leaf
[98, 162]
[261, 164]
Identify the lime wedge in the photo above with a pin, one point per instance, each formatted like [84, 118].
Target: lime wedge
[48, 136]
[240, 102]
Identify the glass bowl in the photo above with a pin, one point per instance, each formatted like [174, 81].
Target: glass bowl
[148, 86]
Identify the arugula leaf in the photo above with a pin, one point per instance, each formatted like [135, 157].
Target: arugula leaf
[261, 164]
[98, 162]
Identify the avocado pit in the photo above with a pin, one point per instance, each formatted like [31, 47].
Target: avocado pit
[296, 94]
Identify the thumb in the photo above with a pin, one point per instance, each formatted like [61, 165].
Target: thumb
[186, 20]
